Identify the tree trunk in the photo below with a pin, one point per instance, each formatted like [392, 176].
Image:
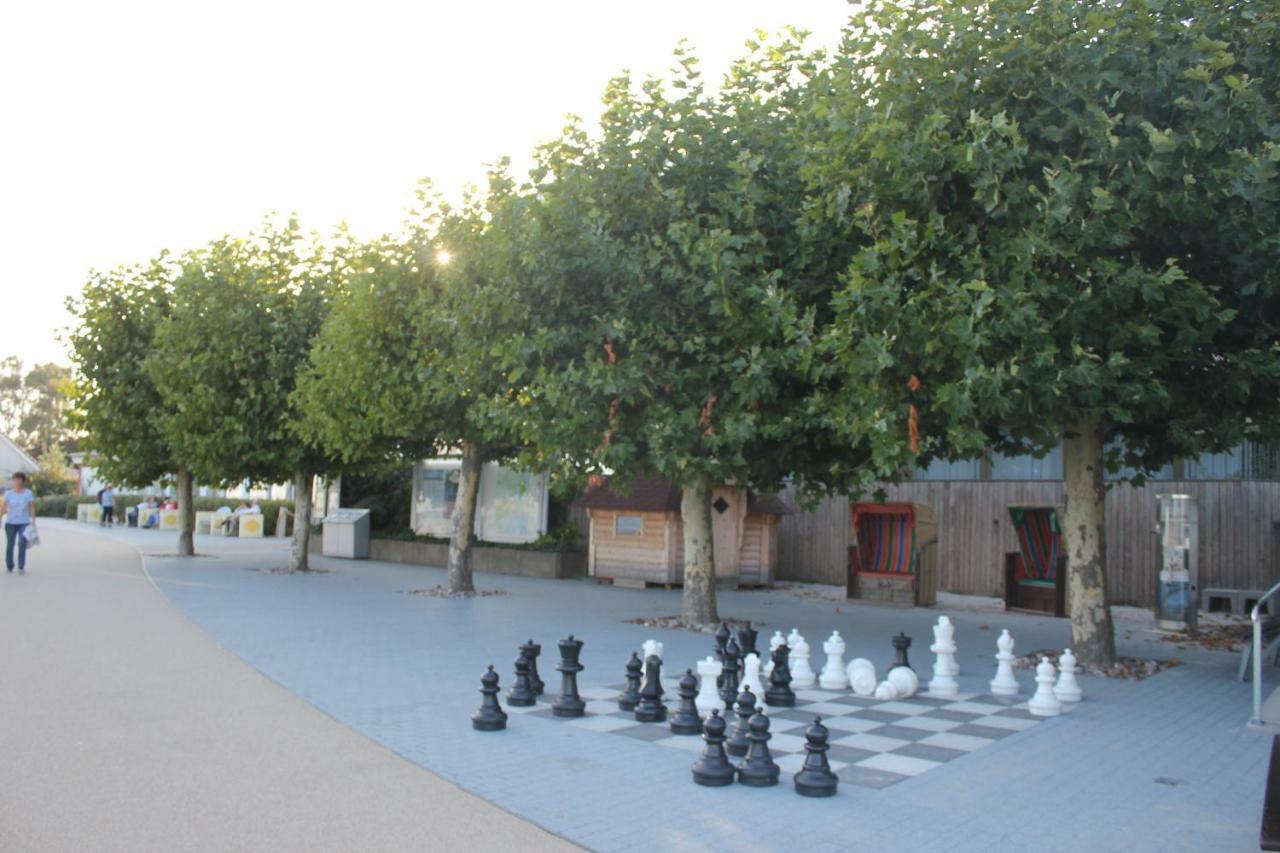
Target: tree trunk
[464, 519]
[1092, 632]
[186, 515]
[699, 558]
[300, 548]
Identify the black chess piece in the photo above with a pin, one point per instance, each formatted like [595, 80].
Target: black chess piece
[739, 739]
[747, 640]
[531, 651]
[722, 640]
[521, 693]
[759, 770]
[630, 696]
[815, 778]
[685, 721]
[713, 768]
[569, 703]
[490, 717]
[729, 675]
[900, 645]
[779, 693]
[651, 709]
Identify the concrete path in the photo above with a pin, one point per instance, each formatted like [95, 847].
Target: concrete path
[123, 727]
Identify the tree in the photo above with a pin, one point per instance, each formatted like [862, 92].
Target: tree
[34, 406]
[1066, 220]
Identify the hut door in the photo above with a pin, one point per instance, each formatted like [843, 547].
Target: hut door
[728, 510]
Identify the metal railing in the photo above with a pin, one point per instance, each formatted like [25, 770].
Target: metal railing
[1257, 653]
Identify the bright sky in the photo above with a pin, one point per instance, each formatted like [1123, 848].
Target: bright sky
[127, 127]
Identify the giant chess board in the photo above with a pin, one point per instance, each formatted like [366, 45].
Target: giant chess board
[874, 744]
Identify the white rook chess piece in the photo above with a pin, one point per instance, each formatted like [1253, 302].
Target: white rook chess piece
[708, 696]
[833, 675]
[1067, 689]
[944, 683]
[651, 648]
[862, 676]
[904, 680]
[1004, 684]
[801, 673]
[751, 677]
[767, 669]
[1044, 703]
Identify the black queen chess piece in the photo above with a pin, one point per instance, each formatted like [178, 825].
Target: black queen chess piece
[739, 739]
[490, 717]
[900, 645]
[747, 640]
[779, 694]
[815, 778]
[685, 721]
[629, 698]
[521, 693]
[569, 703]
[651, 709]
[713, 768]
[759, 770]
[531, 650]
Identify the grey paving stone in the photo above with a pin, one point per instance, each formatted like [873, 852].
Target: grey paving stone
[930, 753]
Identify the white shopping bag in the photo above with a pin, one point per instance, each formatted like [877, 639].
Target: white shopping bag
[31, 535]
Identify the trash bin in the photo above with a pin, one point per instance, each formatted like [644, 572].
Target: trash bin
[1177, 593]
[346, 534]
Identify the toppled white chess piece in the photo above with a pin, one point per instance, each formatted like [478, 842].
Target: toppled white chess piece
[862, 676]
[651, 648]
[944, 683]
[1044, 703]
[904, 680]
[767, 668]
[833, 675]
[1004, 684]
[1067, 689]
[801, 673]
[708, 697]
[751, 677]
[886, 691]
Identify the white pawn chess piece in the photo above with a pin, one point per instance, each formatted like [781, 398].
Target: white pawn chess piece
[777, 640]
[802, 674]
[886, 691]
[904, 680]
[793, 638]
[708, 697]
[833, 675]
[1044, 703]
[1067, 689]
[944, 683]
[751, 677]
[1004, 684]
[651, 648]
[862, 676]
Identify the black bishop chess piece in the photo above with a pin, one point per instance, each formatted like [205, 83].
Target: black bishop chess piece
[685, 721]
[531, 650]
[747, 640]
[739, 739]
[759, 770]
[713, 768]
[779, 693]
[900, 645]
[730, 675]
[722, 640]
[569, 703]
[490, 717]
[651, 709]
[815, 778]
[521, 693]
[629, 698]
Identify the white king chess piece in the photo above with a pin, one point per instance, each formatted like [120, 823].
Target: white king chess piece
[833, 675]
[1067, 689]
[1044, 703]
[944, 683]
[767, 668]
[651, 648]
[751, 677]
[862, 676]
[708, 696]
[801, 673]
[1004, 684]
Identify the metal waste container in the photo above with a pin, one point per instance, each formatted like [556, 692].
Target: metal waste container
[1177, 590]
[346, 534]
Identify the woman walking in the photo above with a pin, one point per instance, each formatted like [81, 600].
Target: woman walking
[19, 511]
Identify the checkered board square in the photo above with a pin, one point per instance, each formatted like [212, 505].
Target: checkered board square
[873, 744]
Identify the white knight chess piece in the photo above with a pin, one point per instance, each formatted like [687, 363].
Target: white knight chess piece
[833, 675]
[751, 677]
[651, 648]
[1004, 684]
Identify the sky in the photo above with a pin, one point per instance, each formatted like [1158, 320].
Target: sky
[129, 127]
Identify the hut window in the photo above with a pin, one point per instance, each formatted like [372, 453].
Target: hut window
[721, 505]
[628, 525]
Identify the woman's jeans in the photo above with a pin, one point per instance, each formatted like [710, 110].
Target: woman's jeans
[13, 532]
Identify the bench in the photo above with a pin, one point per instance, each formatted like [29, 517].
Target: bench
[1270, 835]
[1239, 601]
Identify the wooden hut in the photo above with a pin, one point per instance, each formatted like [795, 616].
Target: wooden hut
[637, 538]
[895, 560]
[1035, 576]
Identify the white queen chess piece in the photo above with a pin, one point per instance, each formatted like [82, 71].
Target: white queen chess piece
[651, 648]
[774, 642]
[801, 672]
[833, 675]
[751, 677]
[944, 683]
[708, 697]
[904, 680]
[1004, 684]
[1067, 689]
[1044, 703]
[862, 676]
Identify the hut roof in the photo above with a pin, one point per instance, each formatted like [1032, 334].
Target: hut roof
[654, 494]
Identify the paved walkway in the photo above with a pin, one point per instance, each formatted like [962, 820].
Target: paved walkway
[123, 727]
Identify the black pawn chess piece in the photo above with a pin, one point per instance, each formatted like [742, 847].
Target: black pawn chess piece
[900, 645]
[685, 721]
[531, 651]
[729, 675]
[651, 709]
[569, 703]
[521, 693]
[629, 698]
[739, 739]
[815, 778]
[779, 693]
[747, 640]
[713, 768]
[722, 640]
[759, 770]
[490, 717]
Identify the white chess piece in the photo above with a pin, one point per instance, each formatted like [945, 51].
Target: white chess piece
[793, 638]
[904, 680]
[886, 691]
[1067, 689]
[944, 683]
[708, 696]
[802, 675]
[862, 676]
[652, 648]
[1044, 703]
[751, 677]
[833, 675]
[1004, 684]
[767, 668]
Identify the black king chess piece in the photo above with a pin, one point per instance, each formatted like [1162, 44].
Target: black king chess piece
[531, 651]
[739, 739]
[569, 703]
[815, 778]
[651, 709]
[713, 768]
[685, 721]
[759, 770]
[490, 717]
[747, 640]
[521, 693]
[779, 693]
[730, 675]
[900, 645]
[629, 698]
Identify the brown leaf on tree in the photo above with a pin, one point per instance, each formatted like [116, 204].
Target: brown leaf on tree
[704, 419]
